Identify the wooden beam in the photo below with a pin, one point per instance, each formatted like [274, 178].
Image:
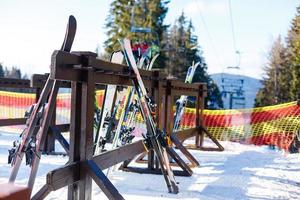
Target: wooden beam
[74, 155]
[113, 157]
[185, 134]
[63, 176]
[69, 174]
[39, 80]
[86, 132]
[12, 122]
[63, 127]
[68, 66]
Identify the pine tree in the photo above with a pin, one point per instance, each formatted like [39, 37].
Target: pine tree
[277, 82]
[282, 81]
[118, 24]
[293, 54]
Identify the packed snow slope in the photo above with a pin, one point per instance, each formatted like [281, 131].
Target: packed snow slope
[240, 172]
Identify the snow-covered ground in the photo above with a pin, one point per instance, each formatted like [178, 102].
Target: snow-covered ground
[240, 172]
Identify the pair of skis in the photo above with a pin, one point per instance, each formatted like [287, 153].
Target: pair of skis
[33, 137]
[153, 133]
[182, 101]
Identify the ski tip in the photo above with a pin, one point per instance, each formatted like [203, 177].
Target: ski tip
[72, 22]
[70, 34]
[197, 64]
[72, 18]
[117, 57]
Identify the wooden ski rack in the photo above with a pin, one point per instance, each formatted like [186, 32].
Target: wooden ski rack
[85, 71]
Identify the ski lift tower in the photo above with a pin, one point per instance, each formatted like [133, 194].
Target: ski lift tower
[232, 87]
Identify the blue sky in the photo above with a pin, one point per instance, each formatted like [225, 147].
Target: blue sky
[32, 29]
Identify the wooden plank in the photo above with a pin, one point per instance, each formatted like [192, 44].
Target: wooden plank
[63, 176]
[185, 134]
[184, 86]
[68, 66]
[113, 157]
[62, 127]
[61, 66]
[177, 92]
[39, 80]
[12, 122]
[69, 174]
[102, 181]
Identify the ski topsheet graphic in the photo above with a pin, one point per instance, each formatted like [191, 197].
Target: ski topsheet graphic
[152, 131]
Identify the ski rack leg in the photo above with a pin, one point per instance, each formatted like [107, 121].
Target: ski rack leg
[189, 156]
[102, 181]
[42, 193]
[30, 130]
[60, 138]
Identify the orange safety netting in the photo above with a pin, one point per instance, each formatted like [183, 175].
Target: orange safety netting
[270, 125]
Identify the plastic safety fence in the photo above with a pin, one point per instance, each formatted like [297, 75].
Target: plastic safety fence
[272, 125]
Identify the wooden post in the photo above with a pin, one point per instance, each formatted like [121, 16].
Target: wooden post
[199, 114]
[86, 143]
[200, 136]
[75, 130]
